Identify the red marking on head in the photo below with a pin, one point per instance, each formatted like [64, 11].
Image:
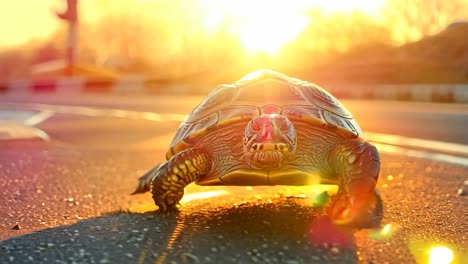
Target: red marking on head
[265, 134]
[267, 130]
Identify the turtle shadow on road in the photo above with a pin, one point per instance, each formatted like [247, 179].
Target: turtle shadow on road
[250, 233]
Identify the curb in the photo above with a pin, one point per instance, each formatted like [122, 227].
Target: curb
[69, 85]
[133, 84]
[139, 84]
[442, 93]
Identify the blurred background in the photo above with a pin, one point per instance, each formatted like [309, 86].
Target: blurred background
[207, 42]
[93, 91]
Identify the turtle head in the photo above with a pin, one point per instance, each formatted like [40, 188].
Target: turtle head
[267, 140]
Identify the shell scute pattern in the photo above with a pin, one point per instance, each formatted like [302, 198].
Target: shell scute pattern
[203, 123]
[338, 121]
[216, 100]
[253, 95]
[280, 92]
[299, 112]
[355, 127]
[205, 113]
[242, 111]
[323, 99]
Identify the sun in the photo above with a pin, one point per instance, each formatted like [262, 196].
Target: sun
[273, 30]
[264, 26]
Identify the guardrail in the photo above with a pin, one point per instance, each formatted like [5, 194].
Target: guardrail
[447, 93]
[125, 84]
[134, 84]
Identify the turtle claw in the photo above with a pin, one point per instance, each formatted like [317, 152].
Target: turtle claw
[165, 209]
[358, 212]
[168, 201]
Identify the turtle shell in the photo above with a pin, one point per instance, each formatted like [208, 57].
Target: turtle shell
[263, 92]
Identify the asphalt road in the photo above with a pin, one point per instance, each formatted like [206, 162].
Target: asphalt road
[442, 122]
[66, 200]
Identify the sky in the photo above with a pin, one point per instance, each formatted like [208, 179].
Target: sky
[22, 20]
[25, 20]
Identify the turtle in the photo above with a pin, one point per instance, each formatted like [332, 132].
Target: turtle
[272, 129]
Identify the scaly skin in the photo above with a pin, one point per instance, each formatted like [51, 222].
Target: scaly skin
[167, 181]
[339, 158]
[357, 202]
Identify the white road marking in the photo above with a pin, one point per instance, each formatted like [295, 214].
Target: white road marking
[39, 118]
[436, 156]
[94, 112]
[417, 143]
[16, 114]
[19, 124]
[393, 144]
[14, 130]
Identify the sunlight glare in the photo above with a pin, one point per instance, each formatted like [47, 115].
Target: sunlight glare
[268, 30]
[440, 255]
[265, 26]
[262, 26]
[202, 195]
[370, 7]
[385, 232]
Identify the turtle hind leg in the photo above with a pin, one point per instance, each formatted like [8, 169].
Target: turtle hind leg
[357, 202]
[168, 182]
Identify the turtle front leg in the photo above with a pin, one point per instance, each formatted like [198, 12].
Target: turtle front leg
[167, 181]
[357, 203]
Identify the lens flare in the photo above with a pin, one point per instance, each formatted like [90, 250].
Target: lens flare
[440, 255]
[385, 232]
[323, 231]
[321, 199]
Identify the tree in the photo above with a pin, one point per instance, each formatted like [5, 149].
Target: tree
[410, 20]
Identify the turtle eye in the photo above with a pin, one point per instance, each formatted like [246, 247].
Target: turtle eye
[284, 126]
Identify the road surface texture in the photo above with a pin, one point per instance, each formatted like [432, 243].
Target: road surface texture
[67, 200]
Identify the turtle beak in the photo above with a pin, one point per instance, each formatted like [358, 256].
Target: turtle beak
[269, 147]
[269, 138]
[264, 134]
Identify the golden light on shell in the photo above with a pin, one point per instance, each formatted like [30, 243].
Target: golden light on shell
[252, 76]
[440, 255]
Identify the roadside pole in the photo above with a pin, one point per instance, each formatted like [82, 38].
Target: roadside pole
[70, 15]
